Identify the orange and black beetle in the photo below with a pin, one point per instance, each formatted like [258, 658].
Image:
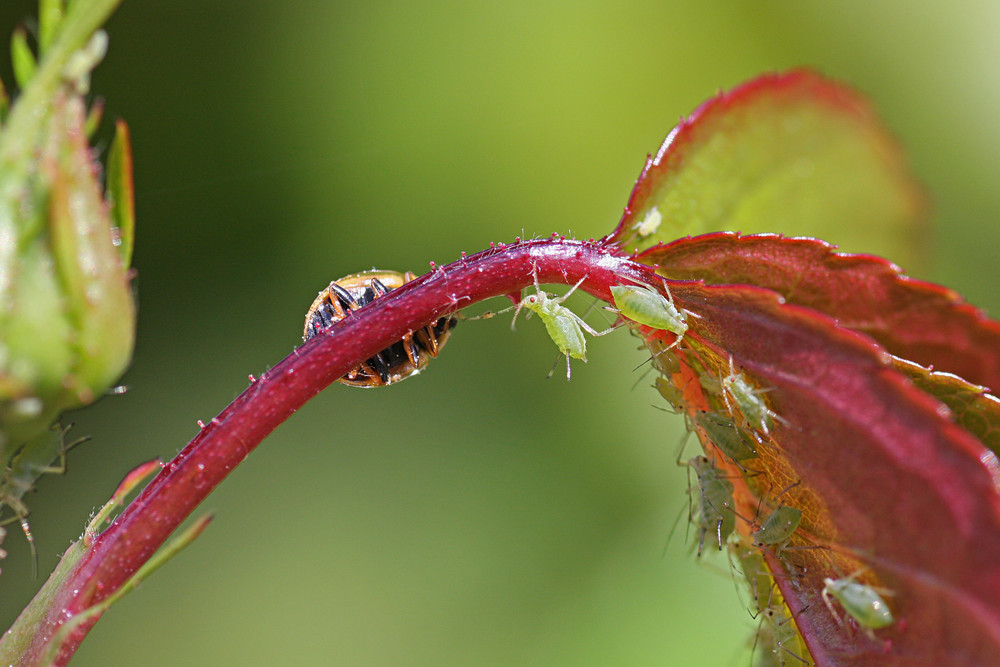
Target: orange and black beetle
[396, 362]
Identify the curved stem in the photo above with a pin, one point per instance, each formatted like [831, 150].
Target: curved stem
[229, 438]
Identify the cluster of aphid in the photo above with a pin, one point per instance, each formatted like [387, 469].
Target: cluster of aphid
[738, 425]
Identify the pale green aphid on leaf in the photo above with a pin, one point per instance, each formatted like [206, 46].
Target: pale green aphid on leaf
[564, 327]
[778, 526]
[748, 399]
[862, 602]
[649, 224]
[727, 436]
[776, 627]
[672, 393]
[779, 626]
[753, 568]
[715, 502]
[647, 306]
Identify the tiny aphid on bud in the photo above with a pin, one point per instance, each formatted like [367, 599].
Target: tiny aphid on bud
[750, 564]
[395, 363]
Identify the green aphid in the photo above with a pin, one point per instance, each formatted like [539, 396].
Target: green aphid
[748, 399]
[778, 526]
[777, 626]
[564, 327]
[672, 393]
[715, 503]
[864, 603]
[647, 306]
[725, 434]
[753, 568]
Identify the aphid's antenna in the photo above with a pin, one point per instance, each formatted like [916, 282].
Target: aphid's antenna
[673, 528]
[643, 376]
[520, 303]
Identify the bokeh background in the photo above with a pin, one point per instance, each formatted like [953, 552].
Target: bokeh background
[477, 514]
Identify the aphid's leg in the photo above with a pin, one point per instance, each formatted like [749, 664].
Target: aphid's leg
[680, 451]
[756, 636]
[825, 594]
[517, 311]
[567, 294]
[555, 364]
[787, 489]
[586, 327]
[21, 516]
[60, 468]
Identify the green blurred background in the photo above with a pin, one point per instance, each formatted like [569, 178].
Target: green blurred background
[477, 514]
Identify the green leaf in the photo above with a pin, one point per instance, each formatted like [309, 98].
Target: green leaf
[874, 462]
[972, 407]
[120, 191]
[94, 117]
[4, 102]
[50, 16]
[22, 59]
[919, 321]
[790, 153]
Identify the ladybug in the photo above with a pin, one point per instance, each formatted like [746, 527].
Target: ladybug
[398, 361]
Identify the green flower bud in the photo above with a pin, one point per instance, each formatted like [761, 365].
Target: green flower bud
[67, 316]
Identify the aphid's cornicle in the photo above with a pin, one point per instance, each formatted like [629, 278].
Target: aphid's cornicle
[398, 361]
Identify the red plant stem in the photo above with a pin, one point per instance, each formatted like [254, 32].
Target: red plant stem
[225, 442]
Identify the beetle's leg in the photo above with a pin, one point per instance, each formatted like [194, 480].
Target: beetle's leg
[427, 338]
[379, 288]
[345, 302]
[412, 353]
[381, 367]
